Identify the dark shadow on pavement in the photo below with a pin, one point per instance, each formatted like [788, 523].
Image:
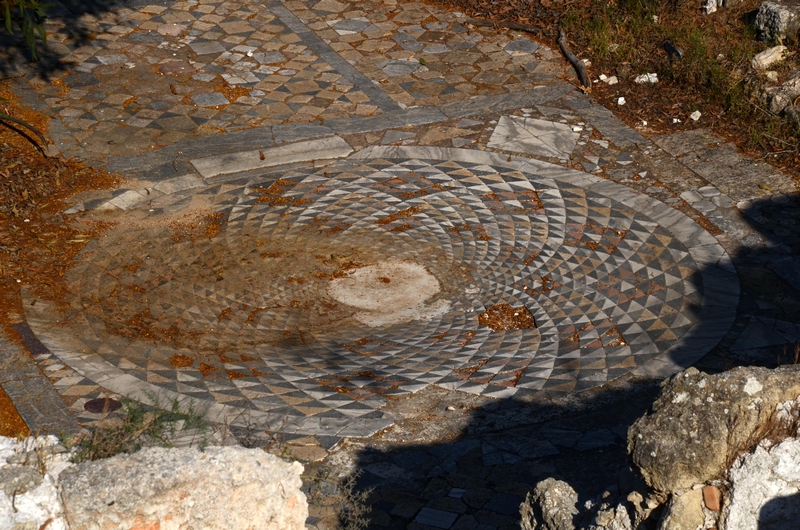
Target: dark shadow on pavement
[442, 472]
[481, 473]
[15, 57]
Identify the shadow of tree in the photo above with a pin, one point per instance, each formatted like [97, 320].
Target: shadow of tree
[67, 32]
[471, 469]
[780, 513]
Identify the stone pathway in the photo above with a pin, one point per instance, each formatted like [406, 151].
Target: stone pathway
[380, 239]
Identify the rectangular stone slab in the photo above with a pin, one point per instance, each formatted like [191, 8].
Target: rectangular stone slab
[323, 149]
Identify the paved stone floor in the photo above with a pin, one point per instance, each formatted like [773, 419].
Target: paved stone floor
[326, 203]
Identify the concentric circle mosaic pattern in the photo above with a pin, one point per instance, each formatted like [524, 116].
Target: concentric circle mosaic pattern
[233, 309]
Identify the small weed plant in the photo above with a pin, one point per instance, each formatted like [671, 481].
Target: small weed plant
[352, 505]
[140, 426]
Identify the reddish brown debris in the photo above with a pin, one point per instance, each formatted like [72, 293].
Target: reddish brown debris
[502, 317]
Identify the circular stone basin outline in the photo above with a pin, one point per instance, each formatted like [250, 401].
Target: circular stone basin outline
[280, 313]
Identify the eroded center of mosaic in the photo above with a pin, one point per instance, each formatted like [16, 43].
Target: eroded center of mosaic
[389, 292]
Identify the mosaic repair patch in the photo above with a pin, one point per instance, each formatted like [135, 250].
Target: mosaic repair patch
[306, 298]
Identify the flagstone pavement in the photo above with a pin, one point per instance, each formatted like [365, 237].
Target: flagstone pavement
[276, 152]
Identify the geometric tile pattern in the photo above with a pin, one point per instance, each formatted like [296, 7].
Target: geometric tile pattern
[458, 61]
[236, 312]
[174, 71]
[152, 76]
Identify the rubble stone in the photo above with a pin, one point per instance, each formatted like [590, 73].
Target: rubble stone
[764, 489]
[553, 503]
[700, 421]
[218, 488]
[778, 19]
[684, 512]
[768, 57]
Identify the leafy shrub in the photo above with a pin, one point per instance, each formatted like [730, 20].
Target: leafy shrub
[28, 16]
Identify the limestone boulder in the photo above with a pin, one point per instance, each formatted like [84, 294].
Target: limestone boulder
[778, 19]
[29, 471]
[769, 57]
[701, 422]
[218, 488]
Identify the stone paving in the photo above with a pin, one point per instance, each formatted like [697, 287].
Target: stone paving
[282, 154]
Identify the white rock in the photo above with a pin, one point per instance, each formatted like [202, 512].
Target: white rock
[695, 116]
[772, 75]
[621, 101]
[40, 506]
[646, 78]
[764, 485]
[752, 386]
[603, 77]
[217, 489]
[676, 120]
[710, 7]
[767, 58]
[612, 80]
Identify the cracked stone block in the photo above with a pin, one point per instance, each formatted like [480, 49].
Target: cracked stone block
[436, 518]
[396, 136]
[537, 137]
[269, 57]
[349, 27]
[112, 59]
[407, 42]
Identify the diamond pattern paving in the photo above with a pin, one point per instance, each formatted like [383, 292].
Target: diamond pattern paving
[230, 306]
[153, 76]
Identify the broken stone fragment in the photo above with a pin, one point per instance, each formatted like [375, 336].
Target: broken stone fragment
[553, 503]
[710, 6]
[768, 57]
[684, 512]
[782, 97]
[646, 78]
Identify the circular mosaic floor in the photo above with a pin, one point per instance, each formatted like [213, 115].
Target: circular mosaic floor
[307, 298]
